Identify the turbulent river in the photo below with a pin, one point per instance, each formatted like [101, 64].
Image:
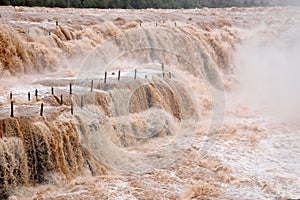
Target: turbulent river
[149, 104]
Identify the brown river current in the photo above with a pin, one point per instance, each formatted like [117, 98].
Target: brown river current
[149, 104]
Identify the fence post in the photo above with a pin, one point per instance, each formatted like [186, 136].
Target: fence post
[81, 102]
[42, 107]
[92, 84]
[70, 88]
[28, 96]
[119, 75]
[105, 75]
[11, 109]
[72, 107]
[10, 96]
[36, 94]
[135, 73]
[61, 99]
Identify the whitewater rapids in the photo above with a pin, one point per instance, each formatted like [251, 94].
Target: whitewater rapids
[205, 108]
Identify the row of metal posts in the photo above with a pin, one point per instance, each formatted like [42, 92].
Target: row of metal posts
[81, 99]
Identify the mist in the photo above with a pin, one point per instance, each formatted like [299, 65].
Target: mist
[268, 68]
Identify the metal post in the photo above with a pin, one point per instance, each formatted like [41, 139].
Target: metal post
[119, 75]
[72, 107]
[28, 96]
[92, 84]
[10, 96]
[105, 75]
[135, 73]
[42, 107]
[61, 99]
[81, 102]
[36, 94]
[11, 109]
[52, 90]
[70, 88]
